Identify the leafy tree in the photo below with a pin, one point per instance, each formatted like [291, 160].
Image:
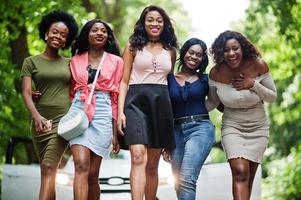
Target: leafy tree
[284, 180]
[122, 14]
[274, 26]
[19, 39]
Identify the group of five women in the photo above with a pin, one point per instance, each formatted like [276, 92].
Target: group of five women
[139, 97]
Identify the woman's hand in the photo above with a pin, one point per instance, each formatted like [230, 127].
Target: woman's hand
[166, 155]
[115, 143]
[243, 82]
[121, 123]
[42, 125]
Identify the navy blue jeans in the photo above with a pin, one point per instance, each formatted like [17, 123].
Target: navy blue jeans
[194, 141]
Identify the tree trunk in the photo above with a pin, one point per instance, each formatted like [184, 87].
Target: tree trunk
[88, 5]
[19, 51]
[19, 48]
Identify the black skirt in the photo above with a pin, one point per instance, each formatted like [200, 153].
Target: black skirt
[149, 118]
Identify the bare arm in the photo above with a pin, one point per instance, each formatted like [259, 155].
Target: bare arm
[173, 55]
[116, 146]
[128, 59]
[114, 95]
[27, 96]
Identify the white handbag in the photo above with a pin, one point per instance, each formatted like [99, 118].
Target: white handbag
[75, 122]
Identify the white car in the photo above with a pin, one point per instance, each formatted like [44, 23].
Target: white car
[21, 181]
[21, 176]
[114, 179]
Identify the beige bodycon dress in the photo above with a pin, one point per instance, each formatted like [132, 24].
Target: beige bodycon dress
[245, 127]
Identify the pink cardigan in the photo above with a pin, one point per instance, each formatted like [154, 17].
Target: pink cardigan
[109, 80]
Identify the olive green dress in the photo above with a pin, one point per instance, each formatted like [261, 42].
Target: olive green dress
[52, 79]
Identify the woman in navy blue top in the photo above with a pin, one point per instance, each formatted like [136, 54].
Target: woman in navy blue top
[194, 132]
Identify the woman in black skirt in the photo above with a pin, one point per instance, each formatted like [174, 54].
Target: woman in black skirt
[144, 109]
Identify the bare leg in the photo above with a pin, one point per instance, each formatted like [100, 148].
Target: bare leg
[253, 169]
[94, 190]
[137, 175]
[240, 178]
[81, 156]
[153, 156]
[47, 189]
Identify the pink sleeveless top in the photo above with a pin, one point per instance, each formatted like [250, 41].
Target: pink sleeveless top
[150, 68]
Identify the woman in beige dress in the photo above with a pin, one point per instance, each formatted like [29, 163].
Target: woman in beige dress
[241, 81]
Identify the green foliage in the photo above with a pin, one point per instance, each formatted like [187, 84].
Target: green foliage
[19, 20]
[13, 116]
[123, 14]
[25, 15]
[284, 178]
[217, 156]
[15, 119]
[274, 27]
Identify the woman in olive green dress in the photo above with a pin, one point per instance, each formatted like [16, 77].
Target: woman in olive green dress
[51, 76]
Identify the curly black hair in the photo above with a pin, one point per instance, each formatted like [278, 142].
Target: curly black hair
[139, 38]
[218, 46]
[81, 44]
[59, 16]
[204, 63]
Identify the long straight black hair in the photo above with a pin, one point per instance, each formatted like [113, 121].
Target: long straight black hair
[81, 44]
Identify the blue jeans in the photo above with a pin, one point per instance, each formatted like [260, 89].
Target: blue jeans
[194, 141]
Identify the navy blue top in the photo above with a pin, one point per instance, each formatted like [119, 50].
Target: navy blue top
[188, 99]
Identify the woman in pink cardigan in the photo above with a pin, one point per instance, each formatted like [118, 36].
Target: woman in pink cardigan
[88, 149]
